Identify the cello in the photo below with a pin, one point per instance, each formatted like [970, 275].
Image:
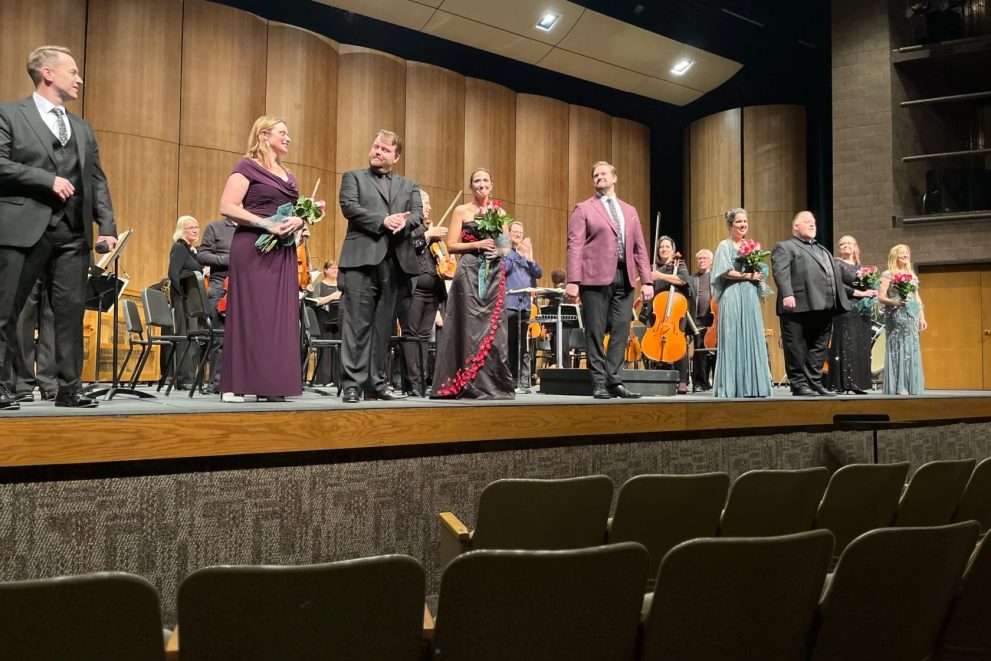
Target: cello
[664, 341]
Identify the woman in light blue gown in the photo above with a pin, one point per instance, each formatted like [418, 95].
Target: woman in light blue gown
[903, 321]
[742, 368]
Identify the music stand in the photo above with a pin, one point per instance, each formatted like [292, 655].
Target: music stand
[105, 288]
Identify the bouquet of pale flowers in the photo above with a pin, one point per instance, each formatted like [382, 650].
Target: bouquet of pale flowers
[306, 208]
[752, 257]
[490, 220]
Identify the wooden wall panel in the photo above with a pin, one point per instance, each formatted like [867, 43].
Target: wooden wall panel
[435, 125]
[774, 159]
[133, 50]
[541, 151]
[373, 98]
[202, 176]
[143, 176]
[716, 150]
[28, 24]
[490, 135]
[548, 230]
[301, 87]
[223, 75]
[589, 140]
[631, 156]
[322, 242]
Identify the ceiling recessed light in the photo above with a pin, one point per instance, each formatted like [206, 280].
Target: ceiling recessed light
[682, 66]
[548, 21]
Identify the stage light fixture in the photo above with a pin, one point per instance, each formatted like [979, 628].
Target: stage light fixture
[548, 21]
[682, 66]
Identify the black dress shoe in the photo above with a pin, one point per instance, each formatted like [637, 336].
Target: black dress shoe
[75, 399]
[24, 397]
[600, 392]
[859, 392]
[384, 395]
[350, 395]
[822, 392]
[7, 402]
[620, 391]
[804, 391]
[414, 392]
[48, 396]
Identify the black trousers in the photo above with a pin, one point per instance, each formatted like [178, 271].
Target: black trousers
[217, 319]
[34, 361]
[607, 308]
[703, 363]
[805, 339]
[416, 319]
[62, 254]
[519, 346]
[368, 314]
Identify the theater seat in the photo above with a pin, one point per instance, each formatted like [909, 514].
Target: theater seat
[932, 495]
[532, 514]
[93, 617]
[579, 605]
[967, 632]
[371, 608]
[975, 505]
[773, 502]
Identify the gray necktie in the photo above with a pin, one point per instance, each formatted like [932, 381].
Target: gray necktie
[63, 130]
[620, 239]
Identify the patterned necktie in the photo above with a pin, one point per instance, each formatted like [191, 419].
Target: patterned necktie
[620, 239]
[63, 130]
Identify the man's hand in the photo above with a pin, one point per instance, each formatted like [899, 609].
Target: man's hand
[109, 241]
[396, 222]
[788, 302]
[526, 249]
[647, 292]
[571, 292]
[63, 188]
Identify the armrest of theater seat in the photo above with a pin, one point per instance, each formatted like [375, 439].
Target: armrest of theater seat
[172, 646]
[428, 623]
[455, 538]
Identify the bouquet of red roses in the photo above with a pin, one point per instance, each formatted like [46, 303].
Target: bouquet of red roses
[491, 219]
[904, 284]
[752, 256]
[309, 210]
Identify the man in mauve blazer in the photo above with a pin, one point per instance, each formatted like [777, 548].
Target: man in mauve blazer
[377, 260]
[602, 272]
[810, 293]
[52, 190]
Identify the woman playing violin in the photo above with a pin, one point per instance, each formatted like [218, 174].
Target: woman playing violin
[668, 272]
[418, 309]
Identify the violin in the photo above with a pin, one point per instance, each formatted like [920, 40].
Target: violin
[711, 339]
[664, 341]
[222, 303]
[303, 263]
[535, 330]
[447, 265]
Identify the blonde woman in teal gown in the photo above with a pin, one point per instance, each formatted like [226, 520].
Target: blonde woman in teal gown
[742, 369]
[904, 319]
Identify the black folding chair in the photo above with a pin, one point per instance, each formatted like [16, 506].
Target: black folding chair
[158, 314]
[199, 328]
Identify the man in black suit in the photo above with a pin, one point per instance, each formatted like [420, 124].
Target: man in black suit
[704, 360]
[377, 260]
[52, 190]
[810, 293]
[215, 252]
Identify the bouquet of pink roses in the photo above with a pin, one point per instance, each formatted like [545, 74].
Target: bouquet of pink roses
[867, 277]
[309, 210]
[752, 256]
[491, 219]
[904, 284]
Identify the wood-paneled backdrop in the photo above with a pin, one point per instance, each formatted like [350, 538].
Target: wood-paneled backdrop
[753, 158]
[172, 89]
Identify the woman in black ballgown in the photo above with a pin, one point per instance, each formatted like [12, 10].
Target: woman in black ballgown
[328, 297]
[850, 346]
[473, 353]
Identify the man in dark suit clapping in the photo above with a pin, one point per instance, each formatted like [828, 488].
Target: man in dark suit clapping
[810, 293]
[382, 208]
[52, 190]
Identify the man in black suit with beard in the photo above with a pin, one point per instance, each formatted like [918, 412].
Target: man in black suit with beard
[377, 260]
[810, 293]
[52, 190]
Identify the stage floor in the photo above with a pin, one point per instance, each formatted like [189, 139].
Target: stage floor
[178, 427]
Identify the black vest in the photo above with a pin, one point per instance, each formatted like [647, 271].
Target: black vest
[67, 167]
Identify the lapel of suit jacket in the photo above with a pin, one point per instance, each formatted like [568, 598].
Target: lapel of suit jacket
[77, 130]
[812, 253]
[45, 135]
[394, 186]
[374, 181]
[600, 206]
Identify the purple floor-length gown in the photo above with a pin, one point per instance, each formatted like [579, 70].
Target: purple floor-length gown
[262, 342]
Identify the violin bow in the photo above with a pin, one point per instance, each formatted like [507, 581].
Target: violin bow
[315, 187]
[657, 239]
[457, 197]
